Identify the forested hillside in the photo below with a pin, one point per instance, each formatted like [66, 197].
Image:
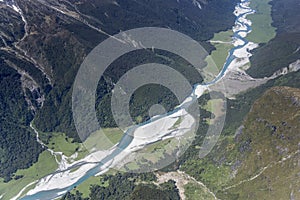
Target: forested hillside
[48, 40]
[43, 44]
[284, 48]
[80, 39]
[18, 146]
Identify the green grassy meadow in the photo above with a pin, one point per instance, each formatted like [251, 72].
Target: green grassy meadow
[262, 29]
[46, 164]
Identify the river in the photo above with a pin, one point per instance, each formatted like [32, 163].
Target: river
[127, 138]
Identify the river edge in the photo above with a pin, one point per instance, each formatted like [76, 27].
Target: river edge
[45, 183]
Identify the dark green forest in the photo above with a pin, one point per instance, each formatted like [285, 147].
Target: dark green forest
[59, 45]
[18, 146]
[124, 186]
[62, 46]
[267, 59]
[56, 115]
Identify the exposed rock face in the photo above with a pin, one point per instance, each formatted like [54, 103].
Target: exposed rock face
[293, 67]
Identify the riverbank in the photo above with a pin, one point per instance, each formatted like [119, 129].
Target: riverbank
[15, 188]
[73, 174]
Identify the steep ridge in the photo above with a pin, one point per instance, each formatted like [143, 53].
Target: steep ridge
[269, 148]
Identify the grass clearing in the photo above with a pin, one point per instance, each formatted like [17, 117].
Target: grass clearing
[96, 140]
[220, 54]
[262, 29]
[215, 106]
[176, 124]
[154, 152]
[84, 187]
[217, 58]
[59, 142]
[46, 164]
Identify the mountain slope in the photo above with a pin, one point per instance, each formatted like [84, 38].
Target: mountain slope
[18, 146]
[46, 41]
[269, 146]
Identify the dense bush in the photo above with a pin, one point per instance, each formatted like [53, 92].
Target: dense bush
[124, 186]
[64, 51]
[18, 146]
